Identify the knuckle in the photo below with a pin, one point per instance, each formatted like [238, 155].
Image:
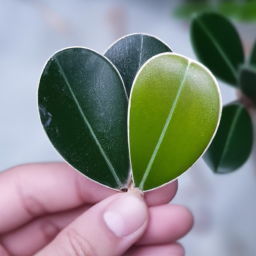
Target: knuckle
[33, 206]
[30, 203]
[78, 245]
[178, 249]
[48, 230]
[3, 252]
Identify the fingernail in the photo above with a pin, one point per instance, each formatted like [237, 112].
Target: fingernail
[125, 215]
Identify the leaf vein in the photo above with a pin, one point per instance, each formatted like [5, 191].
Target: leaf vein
[151, 161]
[222, 53]
[89, 126]
[230, 134]
[141, 49]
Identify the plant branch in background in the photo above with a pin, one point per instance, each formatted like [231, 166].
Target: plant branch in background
[217, 44]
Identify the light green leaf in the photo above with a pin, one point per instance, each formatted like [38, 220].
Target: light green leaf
[174, 111]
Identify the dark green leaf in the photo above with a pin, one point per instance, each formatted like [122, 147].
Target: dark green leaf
[217, 45]
[129, 53]
[252, 60]
[83, 109]
[173, 114]
[247, 82]
[232, 144]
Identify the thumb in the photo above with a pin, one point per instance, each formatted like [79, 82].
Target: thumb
[108, 228]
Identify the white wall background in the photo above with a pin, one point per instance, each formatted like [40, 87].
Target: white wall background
[224, 206]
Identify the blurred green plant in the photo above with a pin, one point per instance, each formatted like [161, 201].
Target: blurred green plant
[217, 45]
[238, 10]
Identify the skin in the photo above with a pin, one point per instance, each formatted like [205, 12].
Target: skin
[51, 209]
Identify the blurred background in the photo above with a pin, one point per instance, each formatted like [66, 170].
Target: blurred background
[223, 206]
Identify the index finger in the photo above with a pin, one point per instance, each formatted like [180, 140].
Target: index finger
[32, 190]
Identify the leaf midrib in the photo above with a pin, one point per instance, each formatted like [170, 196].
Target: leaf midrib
[141, 49]
[222, 53]
[230, 134]
[119, 183]
[168, 120]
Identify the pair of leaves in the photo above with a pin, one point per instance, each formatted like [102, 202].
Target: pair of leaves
[218, 45]
[173, 111]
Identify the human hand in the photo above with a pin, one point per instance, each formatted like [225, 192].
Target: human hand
[50, 209]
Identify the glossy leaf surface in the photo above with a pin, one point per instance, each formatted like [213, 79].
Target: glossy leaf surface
[217, 45]
[83, 109]
[173, 113]
[129, 53]
[252, 60]
[247, 82]
[232, 144]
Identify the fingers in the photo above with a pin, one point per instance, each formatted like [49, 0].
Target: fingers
[167, 224]
[174, 249]
[36, 189]
[162, 195]
[32, 237]
[109, 228]
[3, 252]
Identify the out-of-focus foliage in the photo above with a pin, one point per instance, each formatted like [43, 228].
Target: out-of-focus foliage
[237, 10]
[232, 144]
[218, 45]
[247, 81]
[252, 59]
